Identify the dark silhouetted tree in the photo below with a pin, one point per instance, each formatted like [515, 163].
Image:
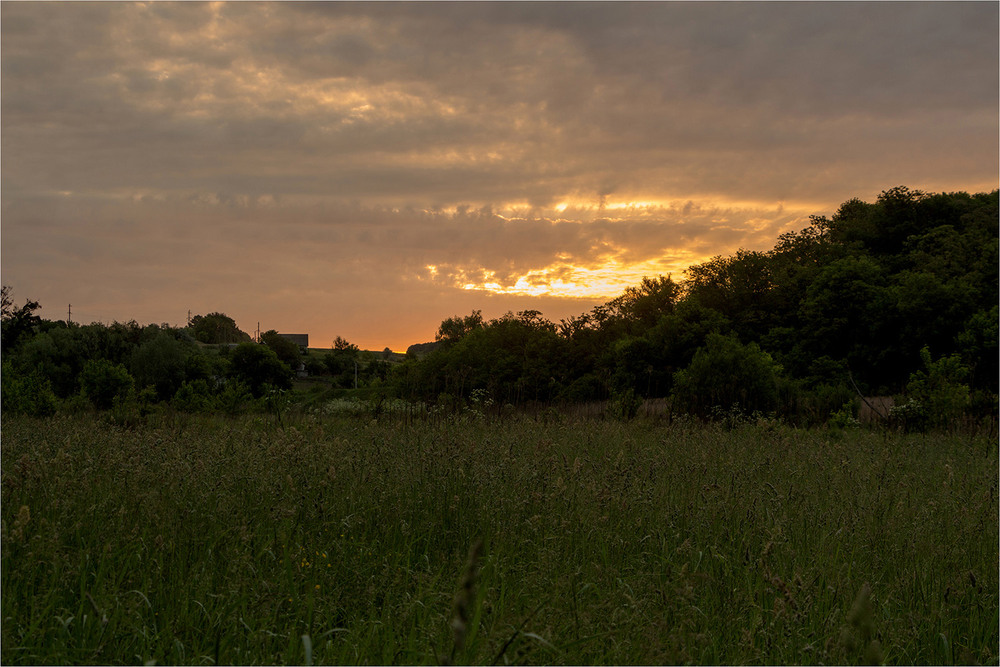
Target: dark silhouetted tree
[259, 367]
[16, 323]
[216, 329]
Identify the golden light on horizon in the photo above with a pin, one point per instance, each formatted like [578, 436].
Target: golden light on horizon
[605, 204]
[632, 205]
[567, 280]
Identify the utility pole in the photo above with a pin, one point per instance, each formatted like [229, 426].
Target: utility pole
[69, 314]
[189, 317]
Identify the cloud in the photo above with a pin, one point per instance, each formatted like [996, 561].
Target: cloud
[492, 100]
[291, 148]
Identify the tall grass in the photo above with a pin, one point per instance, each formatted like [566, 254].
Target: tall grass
[343, 540]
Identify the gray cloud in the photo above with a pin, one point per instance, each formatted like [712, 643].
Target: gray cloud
[220, 147]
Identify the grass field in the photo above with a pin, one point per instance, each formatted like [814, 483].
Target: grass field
[203, 540]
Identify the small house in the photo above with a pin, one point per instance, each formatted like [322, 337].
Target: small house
[302, 340]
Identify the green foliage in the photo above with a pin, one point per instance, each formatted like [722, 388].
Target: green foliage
[343, 366]
[102, 382]
[287, 351]
[844, 418]
[727, 374]
[29, 394]
[739, 287]
[203, 366]
[822, 401]
[643, 306]
[59, 355]
[937, 396]
[588, 387]
[852, 298]
[514, 359]
[342, 345]
[161, 363]
[314, 365]
[624, 405]
[454, 329]
[15, 323]
[845, 307]
[216, 329]
[194, 396]
[259, 368]
[977, 343]
[236, 397]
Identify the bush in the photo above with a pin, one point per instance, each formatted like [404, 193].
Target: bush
[259, 368]
[102, 382]
[816, 405]
[235, 397]
[585, 388]
[161, 363]
[936, 395]
[27, 394]
[287, 351]
[194, 396]
[729, 375]
[844, 418]
[315, 367]
[624, 405]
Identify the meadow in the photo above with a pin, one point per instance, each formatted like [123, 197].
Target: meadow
[192, 539]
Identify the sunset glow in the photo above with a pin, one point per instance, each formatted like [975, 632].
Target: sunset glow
[366, 170]
[567, 280]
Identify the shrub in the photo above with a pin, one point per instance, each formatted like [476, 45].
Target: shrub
[194, 396]
[844, 418]
[585, 388]
[729, 375]
[624, 405]
[27, 394]
[936, 395]
[102, 382]
[161, 363]
[287, 351]
[235, 397]
[314, 366]
[259, 368]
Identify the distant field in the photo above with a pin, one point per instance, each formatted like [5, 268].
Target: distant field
[204, 540]
[323, 351]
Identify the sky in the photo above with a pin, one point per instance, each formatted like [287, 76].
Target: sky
[367, 170]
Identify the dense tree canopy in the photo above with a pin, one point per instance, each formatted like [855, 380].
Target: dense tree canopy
[216, 328]
[16, 323]
[259, 368]
[288, 352]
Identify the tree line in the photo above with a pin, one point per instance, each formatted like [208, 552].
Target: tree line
[209, 365]
[892, 298]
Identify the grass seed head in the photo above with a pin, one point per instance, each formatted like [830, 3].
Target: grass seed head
[22, 520]
[466, 597]
[861, 616]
